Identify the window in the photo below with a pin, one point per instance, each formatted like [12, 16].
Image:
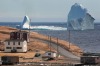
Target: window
[49, 53]
[18, 35]
[8, 47]
[19, 47]
[13, 43]
[12, 35]
[18, 43]
[8, 43]
[97, 57]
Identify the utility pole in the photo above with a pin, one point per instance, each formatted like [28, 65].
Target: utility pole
[50, 43]
[57, 48]
[69, 38]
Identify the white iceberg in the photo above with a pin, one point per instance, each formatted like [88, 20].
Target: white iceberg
[79, 18]
[26, 23]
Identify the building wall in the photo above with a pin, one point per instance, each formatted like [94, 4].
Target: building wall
[19, 46]
[24, 46]
[19, 36]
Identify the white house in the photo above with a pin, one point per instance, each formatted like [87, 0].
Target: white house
[15, 46]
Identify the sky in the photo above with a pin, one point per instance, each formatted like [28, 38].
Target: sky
[44, 10]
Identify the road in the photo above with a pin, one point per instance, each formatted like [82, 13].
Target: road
[64, 52]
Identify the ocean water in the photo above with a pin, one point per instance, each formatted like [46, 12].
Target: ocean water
[88, 40]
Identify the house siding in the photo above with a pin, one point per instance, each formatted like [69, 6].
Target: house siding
[19, 48]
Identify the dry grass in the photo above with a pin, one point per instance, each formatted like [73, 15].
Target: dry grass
[24, 55]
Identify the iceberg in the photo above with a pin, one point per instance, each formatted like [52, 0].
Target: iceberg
[26, 23]
[79, 18]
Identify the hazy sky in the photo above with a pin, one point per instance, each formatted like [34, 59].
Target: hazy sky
[44, 10]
